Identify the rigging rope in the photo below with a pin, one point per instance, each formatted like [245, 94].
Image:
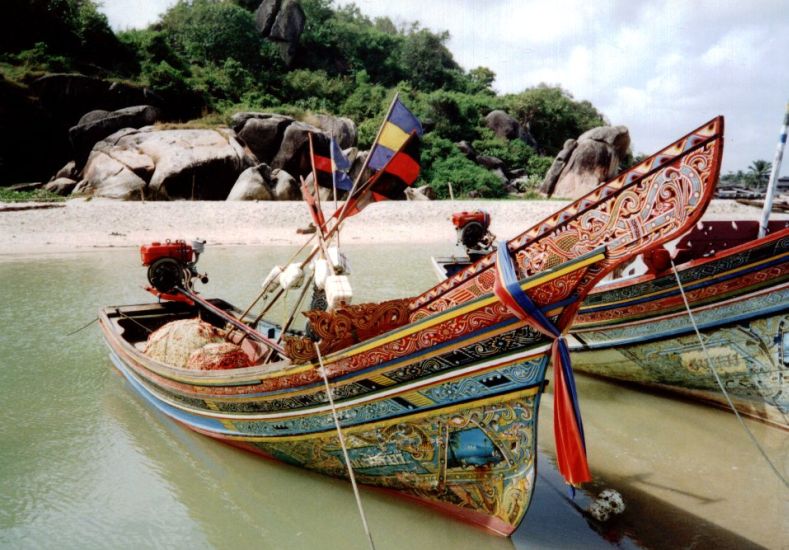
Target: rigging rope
[344, 449]
[720, 383]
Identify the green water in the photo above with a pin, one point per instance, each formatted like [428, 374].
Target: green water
[85, 463]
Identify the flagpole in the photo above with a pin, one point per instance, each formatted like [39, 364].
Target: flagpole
[340, 218]
[315, 181]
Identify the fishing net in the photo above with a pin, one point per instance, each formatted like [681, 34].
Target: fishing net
[215, 356]
[194, 344]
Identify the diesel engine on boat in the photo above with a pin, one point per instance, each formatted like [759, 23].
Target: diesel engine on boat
[472, 230]
[172, 264]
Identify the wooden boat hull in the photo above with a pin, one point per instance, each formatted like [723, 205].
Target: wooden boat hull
[457, 435]
[639, 332]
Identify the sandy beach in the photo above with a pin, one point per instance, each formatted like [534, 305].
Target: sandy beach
[81, 225]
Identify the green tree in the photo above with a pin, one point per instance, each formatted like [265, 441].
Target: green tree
[759, 172]
[443, 163]
[552, 115]
[481, 80]
[427, 62]
[207, 31]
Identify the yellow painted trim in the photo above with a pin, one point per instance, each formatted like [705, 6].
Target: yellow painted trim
[395, 366]
[381, 380]
[407, 330]
[213, 406]
[462, 310]
[418, 399]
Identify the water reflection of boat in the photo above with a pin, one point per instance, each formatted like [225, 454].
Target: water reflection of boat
[438, 394]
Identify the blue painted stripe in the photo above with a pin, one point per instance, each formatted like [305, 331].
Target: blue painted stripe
[675, 291]
[201, 422]
[380, 157]
[404, 119]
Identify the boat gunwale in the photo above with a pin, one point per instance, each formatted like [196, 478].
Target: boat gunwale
[258, 373]
[695, 262]
[682, 312]
[717, 124]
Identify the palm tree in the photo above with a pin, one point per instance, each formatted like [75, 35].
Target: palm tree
[759, 172]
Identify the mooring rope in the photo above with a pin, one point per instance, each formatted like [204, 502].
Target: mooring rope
[83, 327]
[344, 449]
[720, 383]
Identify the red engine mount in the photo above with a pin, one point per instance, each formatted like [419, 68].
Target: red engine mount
[462, 219]
[178, 250]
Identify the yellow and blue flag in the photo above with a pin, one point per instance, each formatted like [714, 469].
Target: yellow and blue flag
[389, 154]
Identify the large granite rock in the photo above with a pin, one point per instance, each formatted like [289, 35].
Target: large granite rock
[506, 127]
[285, 186]
[583, 164]
[342, 129]
[165, 164]
[107, 177]
[98, 124]
[61, 186]
[265, 16]
[282, 22]
[294, 151]
[252, 185]
[261, 132]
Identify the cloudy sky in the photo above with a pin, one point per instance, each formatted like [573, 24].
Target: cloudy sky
[660, 67]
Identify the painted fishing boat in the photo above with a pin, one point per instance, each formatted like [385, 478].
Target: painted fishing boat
[637, 329]
[437, 395]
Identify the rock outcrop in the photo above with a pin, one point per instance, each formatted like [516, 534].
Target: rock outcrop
[506, 127]
[294, 151]
[261, 132]
[342, 129]
[583, 164]
[282, 22]
[98, 124]
[252, 185]
[166, 164]
[285, 186]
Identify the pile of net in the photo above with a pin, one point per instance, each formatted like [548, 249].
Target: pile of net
[196, 345]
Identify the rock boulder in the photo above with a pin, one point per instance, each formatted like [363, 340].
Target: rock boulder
[262, 133]
[98, 124]
[583, 165]
[342, 129]
[252, 185]
[61, 186]
[106, 177]
[285, 186]
[166, 164]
